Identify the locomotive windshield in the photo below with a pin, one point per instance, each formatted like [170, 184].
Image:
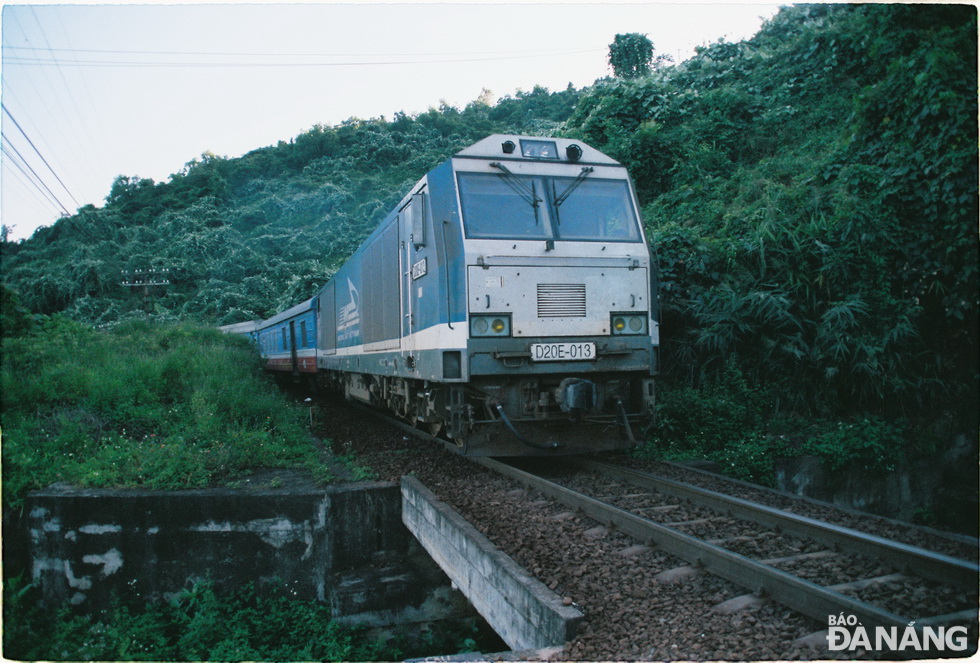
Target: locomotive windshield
[513, 207]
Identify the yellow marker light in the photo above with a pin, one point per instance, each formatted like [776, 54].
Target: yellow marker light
[619, 324]
[498, 325]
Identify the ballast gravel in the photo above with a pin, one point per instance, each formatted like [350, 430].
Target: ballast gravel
[640, 603]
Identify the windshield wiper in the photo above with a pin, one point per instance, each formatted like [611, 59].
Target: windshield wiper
[527, 193]
[574, 185]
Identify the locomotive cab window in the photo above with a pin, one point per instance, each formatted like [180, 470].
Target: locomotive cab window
[495, 207]
[594, 210]
[507, 206]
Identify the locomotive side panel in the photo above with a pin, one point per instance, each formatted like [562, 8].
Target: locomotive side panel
[327, 321]
[438, 339]
[398, 308]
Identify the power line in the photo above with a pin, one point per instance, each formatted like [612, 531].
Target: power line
[221, 65]
[57, 117]
[29, 185]
[43, 189]
[61, 74]
[38, 152]
[74, 159]
[36, 181]
[552, 51]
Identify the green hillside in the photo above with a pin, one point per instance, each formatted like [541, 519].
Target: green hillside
[811, 195]
[247, 237]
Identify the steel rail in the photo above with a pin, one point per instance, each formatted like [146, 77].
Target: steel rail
[794, 592]
[808, 598]
[907, 558]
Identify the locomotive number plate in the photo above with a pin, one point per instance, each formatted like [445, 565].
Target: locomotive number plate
[562, 351]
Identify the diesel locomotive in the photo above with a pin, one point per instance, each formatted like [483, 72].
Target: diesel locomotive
[508, 303]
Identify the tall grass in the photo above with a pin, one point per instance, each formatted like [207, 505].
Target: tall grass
[196, 625]
[140, 405]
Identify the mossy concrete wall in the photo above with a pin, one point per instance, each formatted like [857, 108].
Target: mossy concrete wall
[938, 490]
[343, 545]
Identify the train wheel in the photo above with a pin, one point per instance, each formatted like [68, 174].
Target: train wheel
[434, 427]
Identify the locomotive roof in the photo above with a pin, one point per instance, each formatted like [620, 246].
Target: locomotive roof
[495, 147]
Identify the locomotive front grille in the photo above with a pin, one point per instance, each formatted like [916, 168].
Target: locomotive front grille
[561, 300]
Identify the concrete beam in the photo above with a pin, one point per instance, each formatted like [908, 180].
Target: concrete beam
[523, 612]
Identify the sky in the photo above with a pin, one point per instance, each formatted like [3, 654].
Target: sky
[91, 92]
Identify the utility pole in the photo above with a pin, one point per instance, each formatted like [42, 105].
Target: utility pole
[146, 279]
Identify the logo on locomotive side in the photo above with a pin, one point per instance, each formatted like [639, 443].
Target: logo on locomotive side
[348, 317]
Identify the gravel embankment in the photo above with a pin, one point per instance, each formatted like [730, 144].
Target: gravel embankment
[630, 613]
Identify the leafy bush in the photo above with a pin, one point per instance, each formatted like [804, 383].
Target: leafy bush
[197, 625]
[729, 422]
[869, 442]
[724, 421]
[712, 417]
[158, 406]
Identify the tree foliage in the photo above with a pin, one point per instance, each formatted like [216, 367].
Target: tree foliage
[630, 55]
[810, 193]
[812, 197]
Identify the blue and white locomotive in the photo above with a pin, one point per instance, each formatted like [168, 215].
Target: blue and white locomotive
[509, 303]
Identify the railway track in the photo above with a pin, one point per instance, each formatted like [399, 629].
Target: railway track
[707, 529]
[813, 567]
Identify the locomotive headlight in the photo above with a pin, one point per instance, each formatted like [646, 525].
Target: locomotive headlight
[623, 324]
[490, 325]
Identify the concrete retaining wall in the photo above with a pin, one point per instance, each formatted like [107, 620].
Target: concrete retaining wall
[344, 545]
[940, 490]
[523, 612]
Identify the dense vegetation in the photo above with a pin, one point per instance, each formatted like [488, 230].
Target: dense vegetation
[196, 626]
[247, 237]
[201, 626]
[811, 195]
[142, 405]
